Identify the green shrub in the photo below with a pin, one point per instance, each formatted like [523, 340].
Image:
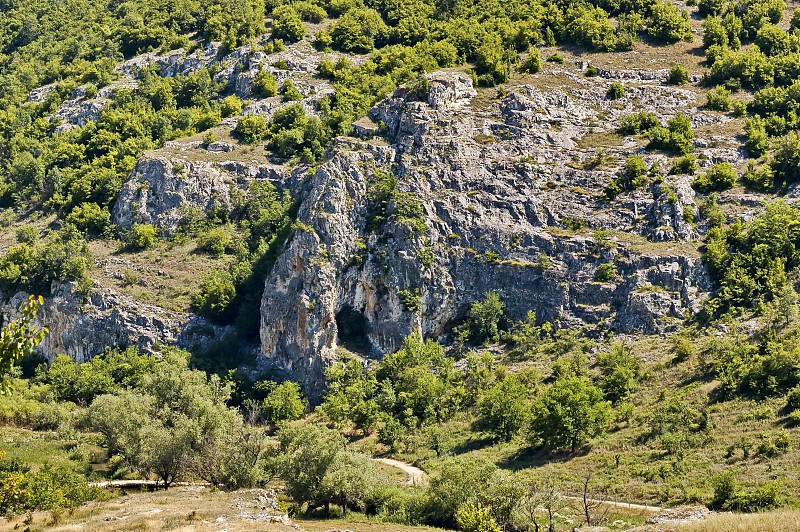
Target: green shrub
[231, 105]
[60, 256]
[570, 413]
[292, 133]
[264, 86]
[721, 176]
[90, 218]
[718, 99]
[793, 399]
[668, 23]
[533, 63]
[287, 24]
[785, 162]
[289, 92]
[685, 165]
[217, 241]
[310, 12]
[555, 58]
[605, 272]
[251, 128]
[615, 91]
[476, 518]
[323, 40]
[284, 402]
[359, 30]
[28, 234]
[503, 410]
[215, 295]
[678, 75]
[635, 123]
[142, 236]
[620, 370]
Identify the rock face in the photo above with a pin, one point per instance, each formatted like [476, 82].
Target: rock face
[499, 191]
[83, 327]
[163, 191]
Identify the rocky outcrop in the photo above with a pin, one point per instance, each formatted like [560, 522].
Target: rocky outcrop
[84, 326]
[163, 191]
[491, 196]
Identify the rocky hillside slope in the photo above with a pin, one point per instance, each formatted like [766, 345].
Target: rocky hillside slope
[445, 194]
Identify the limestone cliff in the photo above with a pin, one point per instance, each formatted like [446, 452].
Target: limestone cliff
[499, 181]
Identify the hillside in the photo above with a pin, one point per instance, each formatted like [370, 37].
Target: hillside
[539, 250]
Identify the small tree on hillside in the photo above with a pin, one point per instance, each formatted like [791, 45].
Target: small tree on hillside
[504, 409]
[570, 413]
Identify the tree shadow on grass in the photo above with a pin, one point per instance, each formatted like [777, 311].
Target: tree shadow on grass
[473, 444]
[531, 457]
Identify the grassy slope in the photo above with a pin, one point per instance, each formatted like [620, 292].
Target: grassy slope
[624, 467]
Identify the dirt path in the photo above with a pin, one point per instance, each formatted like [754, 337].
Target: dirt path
[619, 504]
[416, 476]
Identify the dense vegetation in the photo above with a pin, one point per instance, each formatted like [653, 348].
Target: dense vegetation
[470, 417]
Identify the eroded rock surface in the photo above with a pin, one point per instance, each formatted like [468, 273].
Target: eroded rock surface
[504, 188]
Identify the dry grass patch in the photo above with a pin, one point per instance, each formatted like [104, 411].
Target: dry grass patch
[776, 521]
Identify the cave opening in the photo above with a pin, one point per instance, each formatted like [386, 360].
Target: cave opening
[353, 329]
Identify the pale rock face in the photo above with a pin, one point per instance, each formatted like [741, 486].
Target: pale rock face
[495, 186]
[160, 190]
[84, 327]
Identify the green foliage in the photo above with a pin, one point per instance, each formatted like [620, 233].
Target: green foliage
[142, 236]
[677, 424]
[106, 373]
[785, 162]
[174, 422]
[721, 176]
[684, 165]
[49, 488]
[217, 292]
[284, 402]
[264, 219]
[90, 218]
[387, 203]
[668, 23]
[620, 370]
[60, 256]
[417, 384]
[728, 495]
[484, 319]
[27, 234]
[633, 176]
[476, 518]
[718, 99]
[678, 75]
[570, 413]
[264, 85]
[289, 92]
[503, 410]
[251, 128]
[231, 105]
[471, 481]
[19, 337]
[411, 300]
[291, 132]
[218, 241]
[287, 24]
[359, 30]
[605, 273]
[615, 91]
[750, 261]
[307, 453]
[533, 63]
[675, 138]
[640, 122]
